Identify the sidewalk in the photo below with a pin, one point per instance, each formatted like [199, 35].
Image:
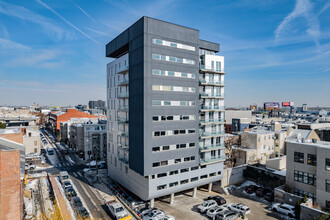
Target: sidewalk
[60, 200]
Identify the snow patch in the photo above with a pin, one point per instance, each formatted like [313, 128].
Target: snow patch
[66, 200]
[247, 183]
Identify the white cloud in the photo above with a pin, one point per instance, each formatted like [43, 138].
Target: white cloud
[66, 21]
[303, 8]
[28, 15]
[6, 44]
[83, 11]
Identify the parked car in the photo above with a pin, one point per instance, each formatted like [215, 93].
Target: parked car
[76, 202]
[220, 200]
[155, 214]
[285, 209]
[51, 151]
[142, 212]
[251, 189]
[118, 212]
[66, 184]
[70, 192]
[227, 215]
[206, 205]
[30, 167]
[212, 212]
[82, 212]
[168, 217]
[261, 192]
[240, 208]
[269, 196]
[64, 176]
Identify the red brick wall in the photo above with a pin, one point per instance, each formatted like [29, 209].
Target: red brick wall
[10, 185]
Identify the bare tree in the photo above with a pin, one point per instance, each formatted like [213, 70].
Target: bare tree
[230, 144]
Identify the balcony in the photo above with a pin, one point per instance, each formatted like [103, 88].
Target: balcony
[122, 120]
[123, 95]
[123, 108]
[204, 95]
[212, 108]
[212, 160]
[211, 121]
[123, 82]
[211, 147]
[123, 147]
[204, 68]
[123, 69]
[211, 83]
[124, 160]
[211, 134]
[123, 134]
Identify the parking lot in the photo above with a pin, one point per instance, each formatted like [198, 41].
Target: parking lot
[185, 207]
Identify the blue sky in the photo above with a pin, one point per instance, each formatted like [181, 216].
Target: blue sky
[52, 52]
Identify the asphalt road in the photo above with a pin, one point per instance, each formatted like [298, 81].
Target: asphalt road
[93, 203]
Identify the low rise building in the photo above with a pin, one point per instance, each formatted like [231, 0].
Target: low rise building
[65, 126]
[89, 139]
[309, 173]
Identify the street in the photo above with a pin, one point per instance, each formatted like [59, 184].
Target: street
[58, 162]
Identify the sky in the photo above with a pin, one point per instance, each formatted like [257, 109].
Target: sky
[53, 52]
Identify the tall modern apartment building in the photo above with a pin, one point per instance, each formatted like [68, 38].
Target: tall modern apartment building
[165, 95]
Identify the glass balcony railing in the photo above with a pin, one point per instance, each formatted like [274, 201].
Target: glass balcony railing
[203, 121]
[123, 133]
[122, 69]
[123, 95]
[123, 82]
[203, 107]
[122, 120]
[211, 134]
[123, 108]
[203, 81]
[210, 68]
[123, 146]
[211, 147]
[207, 95]
[212, 160]
[124, 160]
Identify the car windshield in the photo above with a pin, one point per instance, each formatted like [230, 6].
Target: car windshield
[151, 214]
[65, 177]
[120, 209]
[205, 203]
[67, 183]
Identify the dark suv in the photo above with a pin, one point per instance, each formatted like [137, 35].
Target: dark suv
[251, 189]
[220, 200]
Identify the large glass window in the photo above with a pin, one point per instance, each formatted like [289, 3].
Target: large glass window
[306, 178]
[173, 44]
[173, 59]
[298, 157]
[311, 159]
[327, 185]
[327, 164]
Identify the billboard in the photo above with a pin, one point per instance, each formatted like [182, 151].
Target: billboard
[287, 104]
[271, 105]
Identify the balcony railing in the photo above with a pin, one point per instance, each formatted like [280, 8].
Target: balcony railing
[208, 82]
[211, 121]
[211, 147]
[211, 134]
[210, 69]
[123, 133]
[123, 108]
[123, 146]
[124, 160]
[212, 160]
[122, 120]
[123, 69]
[207, 95]
[123, 82]
[203, 107]
[123, 95]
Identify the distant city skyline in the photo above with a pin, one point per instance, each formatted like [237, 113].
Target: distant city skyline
[54, 52]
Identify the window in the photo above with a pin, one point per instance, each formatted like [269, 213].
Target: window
[173, 44]
[164, 163]
[157, 164]
[177, 160]
[184, 181]
[174, 172]
[204, 176]
[161, 187]
[327, 185]
[306, 178]
[160, 175]
[173, 59]
[298, 157]
[194, 168]
[155, 149]
[327, 164]
[194, 179]
[166, 148]
[302, 193]
[35, 143]
[173, 184]
[184, 170]
[311, 159]
[213, 174]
